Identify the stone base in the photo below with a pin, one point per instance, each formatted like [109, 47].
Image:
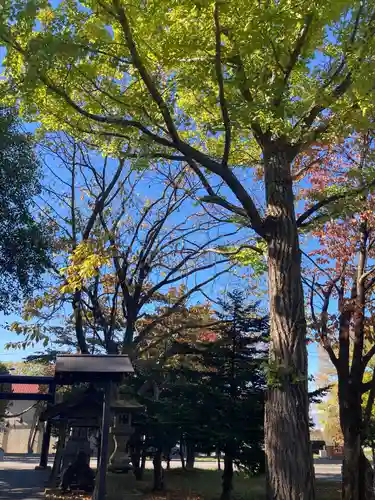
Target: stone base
[120, 464]
[119, 460]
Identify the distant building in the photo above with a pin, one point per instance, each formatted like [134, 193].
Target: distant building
[21, 431]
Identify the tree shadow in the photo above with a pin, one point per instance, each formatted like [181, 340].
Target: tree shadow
[26, 458]
[21, 484]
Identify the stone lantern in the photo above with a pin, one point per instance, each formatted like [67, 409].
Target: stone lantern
[120, 432]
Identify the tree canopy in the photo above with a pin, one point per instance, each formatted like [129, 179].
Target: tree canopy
[24, 250]
[159, 70]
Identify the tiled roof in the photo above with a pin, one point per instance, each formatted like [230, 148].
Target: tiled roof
[25, 388]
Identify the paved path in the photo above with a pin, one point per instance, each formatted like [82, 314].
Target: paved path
[330, 471]
[19, 480]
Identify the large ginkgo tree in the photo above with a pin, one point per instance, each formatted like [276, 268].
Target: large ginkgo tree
[221, 86]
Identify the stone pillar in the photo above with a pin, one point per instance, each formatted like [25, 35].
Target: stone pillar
[120, 432]
[77, 442]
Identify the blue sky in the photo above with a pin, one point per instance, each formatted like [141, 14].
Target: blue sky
[257, 191]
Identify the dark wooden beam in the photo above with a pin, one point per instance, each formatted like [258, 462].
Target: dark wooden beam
[43, 462]
[14, 396]
[26, 379]
[101, 477]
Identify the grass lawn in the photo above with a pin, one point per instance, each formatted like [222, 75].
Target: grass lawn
[199, 484]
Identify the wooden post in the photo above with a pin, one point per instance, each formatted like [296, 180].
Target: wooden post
[43, 463]
[100, 487]
[59, 454]
[99, 448]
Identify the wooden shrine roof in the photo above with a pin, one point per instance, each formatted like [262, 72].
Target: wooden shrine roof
[87, 367]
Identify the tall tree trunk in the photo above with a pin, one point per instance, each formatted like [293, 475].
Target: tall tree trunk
[129, 333]
[358, 477]
[357, 480]
[190, 455]
[368, 477]
[350, 471]
[182, 456]
[218, 459]
[158, 471]
[290, 471]
[227, 483]
[168, 458]
[357, 471]
[78, 322]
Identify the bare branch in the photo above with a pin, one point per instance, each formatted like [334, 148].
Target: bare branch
[169, 279]
[366, 275]
[368, 356]
[321, 269]
[52, 219]
[303, 170]
[180, 301]
[99, 203]
[331, 199]
[235, 252]
[324, 327]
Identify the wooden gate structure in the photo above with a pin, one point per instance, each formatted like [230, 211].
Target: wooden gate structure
[70, 369]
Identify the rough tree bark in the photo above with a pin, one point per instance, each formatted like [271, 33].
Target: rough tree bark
[159, 484]
[78, 322]
[181, 453]
[227, 478]
[358, 475]
[357, 481]
[168, 458]
[290, 469]
[190, 455]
